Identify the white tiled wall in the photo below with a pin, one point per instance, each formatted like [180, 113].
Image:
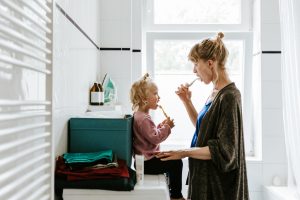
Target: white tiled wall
[136, 38]
[256, 26]
[121, 28]
[270, 25]
[270, 36]
[271, 70]
[273, 145]
[273, 125]
[76, 64]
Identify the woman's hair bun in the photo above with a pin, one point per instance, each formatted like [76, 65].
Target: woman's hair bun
[145, 76]
[220, 35]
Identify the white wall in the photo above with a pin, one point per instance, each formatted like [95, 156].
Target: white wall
[268, 66]
[120, 27]
[76, 64]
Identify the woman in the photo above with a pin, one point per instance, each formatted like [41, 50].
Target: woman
[217, 168]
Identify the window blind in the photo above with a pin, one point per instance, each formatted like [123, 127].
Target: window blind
[26, 158]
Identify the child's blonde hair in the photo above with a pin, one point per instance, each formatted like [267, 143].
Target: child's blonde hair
[139, 91]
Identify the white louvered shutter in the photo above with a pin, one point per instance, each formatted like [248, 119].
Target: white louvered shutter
[26, 158]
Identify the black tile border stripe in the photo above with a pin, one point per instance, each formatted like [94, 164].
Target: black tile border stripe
[86, 35]
[271, 52]
[76, 25]
[110, 49]
[118, 49]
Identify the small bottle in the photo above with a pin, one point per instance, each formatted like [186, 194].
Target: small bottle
[95, 95]
[139, 165]
[101, 94]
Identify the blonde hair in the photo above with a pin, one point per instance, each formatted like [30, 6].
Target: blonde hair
[139, 91]
[210, 49]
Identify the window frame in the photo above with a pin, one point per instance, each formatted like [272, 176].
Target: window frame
[243, 26]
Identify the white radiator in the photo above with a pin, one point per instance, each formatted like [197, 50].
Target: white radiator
[26, 159]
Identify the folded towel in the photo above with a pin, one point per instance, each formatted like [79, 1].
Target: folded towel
[88, 159]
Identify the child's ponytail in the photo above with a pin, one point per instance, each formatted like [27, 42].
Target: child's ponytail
[139, 91]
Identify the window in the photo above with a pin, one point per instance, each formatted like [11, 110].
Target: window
[195, 15]
[170, 33]
[197, 12]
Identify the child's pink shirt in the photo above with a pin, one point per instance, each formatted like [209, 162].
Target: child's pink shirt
[147, 136]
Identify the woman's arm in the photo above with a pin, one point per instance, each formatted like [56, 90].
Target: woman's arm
[201, 153]
[192, 112]
[185, 96]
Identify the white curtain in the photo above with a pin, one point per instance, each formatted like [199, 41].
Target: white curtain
[290, 68]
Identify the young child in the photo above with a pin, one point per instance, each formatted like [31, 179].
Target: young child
[147, 136]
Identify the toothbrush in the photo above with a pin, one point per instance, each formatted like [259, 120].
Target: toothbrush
[165, 114]
[191, 83]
